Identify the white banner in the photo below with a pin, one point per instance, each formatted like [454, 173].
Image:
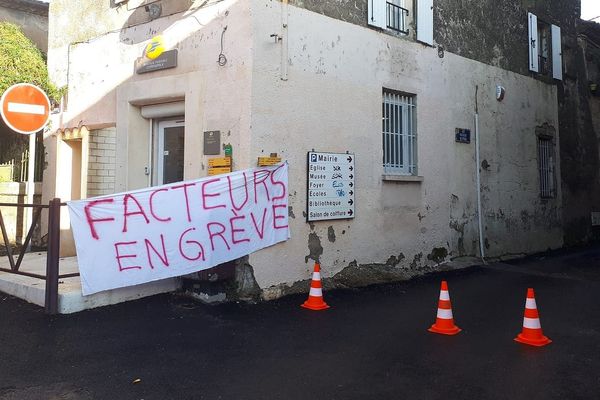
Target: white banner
[165, 231]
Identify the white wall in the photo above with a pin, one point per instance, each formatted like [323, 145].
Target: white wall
[105, 91]
[332, 102]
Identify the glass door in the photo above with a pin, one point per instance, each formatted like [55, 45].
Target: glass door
[170, 147]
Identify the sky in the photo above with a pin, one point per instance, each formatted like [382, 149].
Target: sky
[590, 9]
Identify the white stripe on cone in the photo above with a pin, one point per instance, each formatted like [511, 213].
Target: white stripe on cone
[532, 323]
[530, 303]
[444, 295]
[444, 314]
[316, 292]
[316, 276]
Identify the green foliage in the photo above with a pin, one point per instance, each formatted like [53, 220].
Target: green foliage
[22, 61]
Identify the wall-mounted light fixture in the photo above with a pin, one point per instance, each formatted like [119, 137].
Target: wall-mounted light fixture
[500, 92]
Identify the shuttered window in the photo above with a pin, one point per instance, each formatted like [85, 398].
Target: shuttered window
[388, 14]
[377, 13]
[425, 21]
[545, 48]
[399, 134]
[533, 43]
[556, 53]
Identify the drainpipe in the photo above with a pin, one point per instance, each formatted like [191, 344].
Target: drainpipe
[478, 175]
[284, 40]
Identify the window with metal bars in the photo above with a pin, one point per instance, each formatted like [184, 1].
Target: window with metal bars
[391, 15]
[399, 133]
[545, 147]
[396, 16]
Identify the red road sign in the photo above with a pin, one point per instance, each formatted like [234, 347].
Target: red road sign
[25, 108]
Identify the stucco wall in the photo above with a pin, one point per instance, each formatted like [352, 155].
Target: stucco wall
[32, 19]
[332, 102]
[105, 90]
[505, 44]
[496, 32]
[472, 28]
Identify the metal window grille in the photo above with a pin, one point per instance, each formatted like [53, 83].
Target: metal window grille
[399, 134]
[396, 16]
[546, 167]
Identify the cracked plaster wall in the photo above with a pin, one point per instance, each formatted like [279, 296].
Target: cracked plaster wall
[342, 70]
[495, 32]
[332, 102]
[505, 44]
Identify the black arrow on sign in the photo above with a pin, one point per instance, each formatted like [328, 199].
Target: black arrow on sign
[351, 193]
[351, 176]
[351, 184]
[350, 212]
[349, 159]
[351, 168]
[350, 202]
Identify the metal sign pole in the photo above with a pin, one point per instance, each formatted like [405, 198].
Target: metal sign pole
[30, 181]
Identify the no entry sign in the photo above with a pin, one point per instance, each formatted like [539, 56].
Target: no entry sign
[25, 108]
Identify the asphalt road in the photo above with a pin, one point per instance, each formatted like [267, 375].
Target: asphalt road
[372, 344]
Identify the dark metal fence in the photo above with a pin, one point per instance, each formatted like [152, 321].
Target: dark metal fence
[52, 257]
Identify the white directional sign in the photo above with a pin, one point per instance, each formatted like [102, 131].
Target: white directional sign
[330, 187]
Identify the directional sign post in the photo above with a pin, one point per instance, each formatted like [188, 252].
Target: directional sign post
[330, 187]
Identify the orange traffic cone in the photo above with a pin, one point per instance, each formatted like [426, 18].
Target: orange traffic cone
[532, 329]
[315, 297]
[444, 323]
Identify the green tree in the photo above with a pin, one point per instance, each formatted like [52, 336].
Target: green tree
[22, 61]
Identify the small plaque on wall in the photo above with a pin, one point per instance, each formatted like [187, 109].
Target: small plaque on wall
[166, 60]
[462, 135]
[212, 143]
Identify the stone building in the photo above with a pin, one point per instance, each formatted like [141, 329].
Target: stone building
[579, 103]
[397, 83]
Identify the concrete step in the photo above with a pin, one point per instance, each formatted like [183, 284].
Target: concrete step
[70, 299]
